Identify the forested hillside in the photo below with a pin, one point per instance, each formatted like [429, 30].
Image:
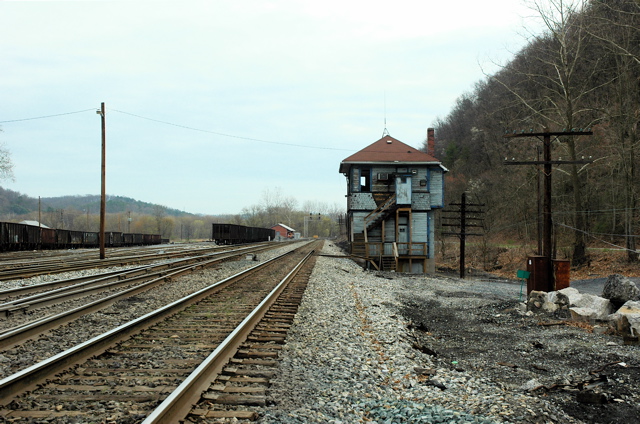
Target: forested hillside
[114, 204]
[13, 202]
[583, 72]
[124, 214]
[83, 213]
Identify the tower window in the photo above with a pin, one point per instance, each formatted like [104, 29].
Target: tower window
[365, 180]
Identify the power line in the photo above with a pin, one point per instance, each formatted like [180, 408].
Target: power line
[616, 235]
[185, 127]
[228, 135]
[597, 211]
[596, 238]
[47, 116]
[592, 235]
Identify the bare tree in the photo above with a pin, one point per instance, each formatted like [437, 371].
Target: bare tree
[617, 17]
[555, 84]
[277, 207]
[618, 29]
[253, 216]
[6, 165]
[164, 224]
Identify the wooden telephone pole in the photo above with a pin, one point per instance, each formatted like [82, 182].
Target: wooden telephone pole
[103, 203]
[463, 218]
[546, 162]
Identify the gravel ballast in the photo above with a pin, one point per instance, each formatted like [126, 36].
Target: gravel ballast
[387, 348]
[90, 325]
[370, 347]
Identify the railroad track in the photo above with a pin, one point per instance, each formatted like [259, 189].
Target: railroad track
[162, 263]
[122, 375]
[43, 265]
[132, 282]
[242, 384]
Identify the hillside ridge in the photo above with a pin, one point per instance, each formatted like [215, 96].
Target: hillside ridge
[13, 203]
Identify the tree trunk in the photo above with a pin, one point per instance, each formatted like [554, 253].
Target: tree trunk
[579, 244]
[630, 203]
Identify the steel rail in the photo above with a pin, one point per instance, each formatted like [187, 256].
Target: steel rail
[22, 290]
[97, 286]
[178, 404]
[62, 265]
[30, 377]
[60, 286]
[49, 256]
[18, 334]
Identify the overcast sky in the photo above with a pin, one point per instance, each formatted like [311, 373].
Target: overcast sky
[211, 103]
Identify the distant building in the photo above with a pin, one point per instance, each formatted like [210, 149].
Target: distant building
[393, 191]
[284, 231]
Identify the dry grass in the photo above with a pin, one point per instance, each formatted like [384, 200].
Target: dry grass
[578, 324]
[505, 259]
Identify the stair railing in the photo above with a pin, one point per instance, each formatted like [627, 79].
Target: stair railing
[377, 212]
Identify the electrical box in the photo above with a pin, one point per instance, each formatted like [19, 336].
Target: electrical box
[561, 272]
[540, 277]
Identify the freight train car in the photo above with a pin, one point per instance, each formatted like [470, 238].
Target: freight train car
[239, 234]
[14, 236]
[48, 237]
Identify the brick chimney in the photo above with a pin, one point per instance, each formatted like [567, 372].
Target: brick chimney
[431, 142]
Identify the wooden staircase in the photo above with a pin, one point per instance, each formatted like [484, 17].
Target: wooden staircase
[388, 263]
[381, 213]
[358, 247]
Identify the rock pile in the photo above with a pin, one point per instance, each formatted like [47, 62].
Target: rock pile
[619, 290]
[619, 306]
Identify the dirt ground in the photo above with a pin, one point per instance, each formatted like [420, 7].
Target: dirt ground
[592, 377]
[583, 369]
[505, 262]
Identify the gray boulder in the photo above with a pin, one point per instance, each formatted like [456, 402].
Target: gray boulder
[582, 306]
[568, 297]
[541, 302]
[619, 290]
[589, 308]
[626, 321]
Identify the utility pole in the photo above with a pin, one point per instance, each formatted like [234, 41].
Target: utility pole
[539, 199]
[459, 220]
[103, 202]
[306, 223]
[547, 221]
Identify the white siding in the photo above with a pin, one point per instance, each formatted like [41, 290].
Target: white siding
[421, 175]
[355, 180]
[358, 222]
[419, 227]
[421, 201]
[374, 235]
[436, 187]
[390, 230]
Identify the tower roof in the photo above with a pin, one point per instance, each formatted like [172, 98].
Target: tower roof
[388, 150]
